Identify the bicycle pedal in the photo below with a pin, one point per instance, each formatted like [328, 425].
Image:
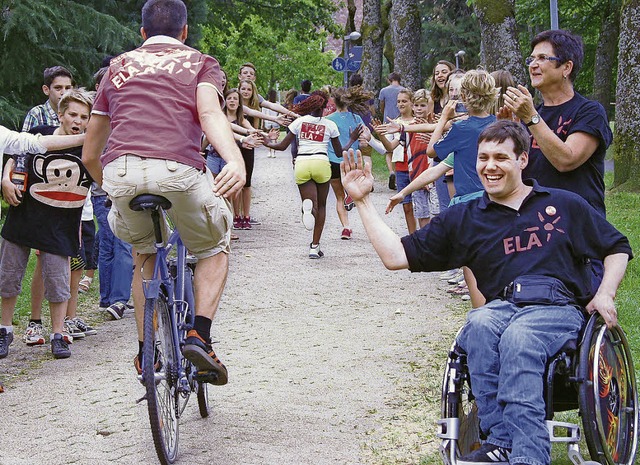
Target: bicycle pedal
[206, 377]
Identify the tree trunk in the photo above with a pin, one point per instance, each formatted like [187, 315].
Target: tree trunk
[499, 47]
[387, 34]
[351, 20]
[405, 20]
[603, 72]
[627, 135]
[372, 41]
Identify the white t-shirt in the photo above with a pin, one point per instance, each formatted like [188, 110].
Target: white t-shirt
[313, 133]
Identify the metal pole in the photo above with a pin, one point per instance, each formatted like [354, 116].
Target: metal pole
[457, 65]
[346, 59]
[554, 14]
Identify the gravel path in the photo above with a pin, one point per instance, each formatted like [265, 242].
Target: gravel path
[316, 351]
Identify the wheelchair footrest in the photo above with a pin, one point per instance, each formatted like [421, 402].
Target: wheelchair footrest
[570, 432]
[448, 428]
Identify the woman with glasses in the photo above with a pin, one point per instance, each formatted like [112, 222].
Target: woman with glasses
[570, 133]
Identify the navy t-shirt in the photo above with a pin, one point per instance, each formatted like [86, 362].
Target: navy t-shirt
[553, 234]
[577, 115]
[48, 218]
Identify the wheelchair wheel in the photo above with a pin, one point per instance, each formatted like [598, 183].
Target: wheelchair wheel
[458, 401]
[608, 394]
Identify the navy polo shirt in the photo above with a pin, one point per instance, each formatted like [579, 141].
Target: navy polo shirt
[554, 233]
[577, 115]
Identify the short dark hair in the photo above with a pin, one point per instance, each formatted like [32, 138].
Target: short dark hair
[305, 86]
[355, 80]
[97, 77]
[394, 77]
[502, 130]
[50, 74]
[566, 45]
[164, 17]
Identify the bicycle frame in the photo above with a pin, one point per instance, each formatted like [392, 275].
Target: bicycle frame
[180, 296]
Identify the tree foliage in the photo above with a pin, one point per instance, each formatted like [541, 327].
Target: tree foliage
[280, 59]
[36, 34]
[447, 27]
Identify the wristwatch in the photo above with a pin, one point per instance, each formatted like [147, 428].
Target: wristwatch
[535, 119]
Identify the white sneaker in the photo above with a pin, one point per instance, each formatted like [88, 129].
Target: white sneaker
[34, 334]
[315, 252]
[308, 219]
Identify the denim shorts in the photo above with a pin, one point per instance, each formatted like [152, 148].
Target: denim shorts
[402, 181]
[202, 218]
[425, 203]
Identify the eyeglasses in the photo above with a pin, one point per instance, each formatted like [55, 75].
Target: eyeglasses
[540, 58]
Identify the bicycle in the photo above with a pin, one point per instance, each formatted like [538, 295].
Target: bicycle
[168, 377]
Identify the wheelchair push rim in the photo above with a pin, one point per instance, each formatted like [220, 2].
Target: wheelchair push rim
[457, 401]
[609, 399]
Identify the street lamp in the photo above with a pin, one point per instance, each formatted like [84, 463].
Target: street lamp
[459, 54]
[355, 35]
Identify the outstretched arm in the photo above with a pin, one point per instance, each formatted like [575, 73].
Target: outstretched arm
[283, 144]
[425, 178]
[358, 181]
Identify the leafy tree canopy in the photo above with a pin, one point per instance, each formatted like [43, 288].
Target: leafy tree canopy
[281, 60]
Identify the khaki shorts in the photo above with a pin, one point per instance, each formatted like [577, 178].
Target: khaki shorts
[13, 263]
[312, 169]
[202, 218]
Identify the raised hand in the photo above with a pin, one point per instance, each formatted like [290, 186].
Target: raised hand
[356, 176]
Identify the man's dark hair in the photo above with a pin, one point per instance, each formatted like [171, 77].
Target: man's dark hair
[97, 77]
[394, 77]
[164, 17]
[306, 86]
[55, 71]
[356, 80]
[566, 45]
[502, 130]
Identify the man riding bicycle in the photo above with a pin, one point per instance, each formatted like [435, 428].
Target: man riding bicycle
[152, 107]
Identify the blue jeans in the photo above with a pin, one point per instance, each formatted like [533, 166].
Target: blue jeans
[508, 348]
[443, 192]
[115, 261]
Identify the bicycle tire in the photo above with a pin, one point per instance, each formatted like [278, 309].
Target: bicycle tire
[159, 375]
[203, 398]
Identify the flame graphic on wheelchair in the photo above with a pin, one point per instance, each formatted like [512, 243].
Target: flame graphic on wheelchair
[612, 393]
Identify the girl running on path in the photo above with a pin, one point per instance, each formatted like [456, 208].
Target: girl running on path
[311, 166]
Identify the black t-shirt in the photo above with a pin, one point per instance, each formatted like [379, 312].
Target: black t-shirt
[577, 115]
[552, 234]
[48, 218]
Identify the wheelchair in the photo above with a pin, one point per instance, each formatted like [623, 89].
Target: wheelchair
[596, 377]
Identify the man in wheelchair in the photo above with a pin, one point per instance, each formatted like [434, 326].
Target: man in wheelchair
[529, 248]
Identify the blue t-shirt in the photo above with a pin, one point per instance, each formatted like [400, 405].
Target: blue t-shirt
[300, 98]
[346, 121]
[462, 140]
[553, 233]
[577, 115]
[389, 95]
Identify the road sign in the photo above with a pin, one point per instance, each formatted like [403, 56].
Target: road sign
[353, 65]
[355, 53]
[339, 64]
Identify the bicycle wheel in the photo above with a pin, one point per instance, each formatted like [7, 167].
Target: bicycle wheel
[159, 373]
[203, 398]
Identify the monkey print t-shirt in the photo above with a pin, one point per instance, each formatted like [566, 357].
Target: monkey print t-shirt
[48, 218]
